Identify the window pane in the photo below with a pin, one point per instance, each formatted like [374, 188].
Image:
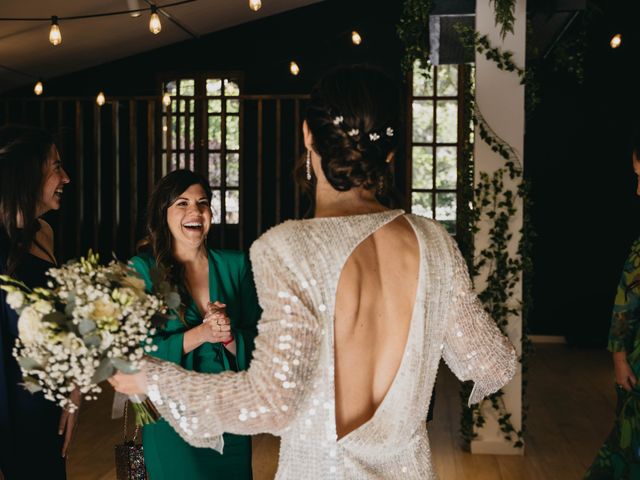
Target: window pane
[231, 89]
[187, 87]
[447, 80]
[183, 161]
[233, 169]
[232, 206]
[447, 118]
[214, 169]
[216, 207]
[233, 133]
[192, 106]
[165, 128]
[422, 121]
[446, 167]
[215, 106]
[421, 204]
[214, 87]
[422, 176]
[215, 133]
[422, 86]
[446, 210]
[233, 106]
[183, 104]
[171, 87]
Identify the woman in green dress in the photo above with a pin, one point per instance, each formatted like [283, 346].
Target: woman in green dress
[619, 457]
[214, 329]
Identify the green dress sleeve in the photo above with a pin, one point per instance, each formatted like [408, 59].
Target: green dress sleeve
[170, 339]
[245, 328]
[624, 320]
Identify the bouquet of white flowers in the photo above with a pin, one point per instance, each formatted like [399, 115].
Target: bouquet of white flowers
[92, 320]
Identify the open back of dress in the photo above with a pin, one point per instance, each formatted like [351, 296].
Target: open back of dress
[373, 311]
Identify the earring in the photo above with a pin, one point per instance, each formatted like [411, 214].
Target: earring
[309, 165]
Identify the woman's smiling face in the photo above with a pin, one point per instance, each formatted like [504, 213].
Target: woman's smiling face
[189, 217]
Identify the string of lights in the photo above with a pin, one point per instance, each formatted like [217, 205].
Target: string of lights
[155, 27]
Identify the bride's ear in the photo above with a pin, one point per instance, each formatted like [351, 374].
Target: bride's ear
[308, 137]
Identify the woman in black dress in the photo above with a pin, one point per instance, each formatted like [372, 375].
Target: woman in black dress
[34, 432]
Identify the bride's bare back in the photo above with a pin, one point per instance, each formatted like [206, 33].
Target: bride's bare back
[374, 306]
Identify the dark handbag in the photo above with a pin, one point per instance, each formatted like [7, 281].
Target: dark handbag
[129, 456]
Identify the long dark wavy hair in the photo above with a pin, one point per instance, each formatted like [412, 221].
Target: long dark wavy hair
[158, 241]
[24, 152]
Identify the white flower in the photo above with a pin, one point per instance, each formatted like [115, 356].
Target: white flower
[43, 307]
[30, 327]
[72, 343]
[374, 136]
[338, 120]
[15, 299]
[107, 340]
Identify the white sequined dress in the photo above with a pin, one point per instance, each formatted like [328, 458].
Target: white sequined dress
[289, 388]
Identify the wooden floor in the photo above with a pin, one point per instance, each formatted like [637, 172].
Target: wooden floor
[571, 412]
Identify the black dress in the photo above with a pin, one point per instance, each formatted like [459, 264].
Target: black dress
[30, 447]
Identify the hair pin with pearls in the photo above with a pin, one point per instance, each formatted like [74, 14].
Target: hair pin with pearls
[338, 120]
[353, 132]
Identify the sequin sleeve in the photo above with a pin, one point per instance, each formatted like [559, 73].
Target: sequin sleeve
[264, 398]
[474, 347]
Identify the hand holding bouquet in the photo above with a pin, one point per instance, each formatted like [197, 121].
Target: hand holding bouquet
[92, 320]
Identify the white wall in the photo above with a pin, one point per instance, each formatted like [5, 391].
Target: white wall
[500, 98]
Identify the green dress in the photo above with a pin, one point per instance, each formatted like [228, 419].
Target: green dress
[166, 455]
[619, 457]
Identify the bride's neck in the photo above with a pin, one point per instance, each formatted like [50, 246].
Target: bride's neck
[356, 201]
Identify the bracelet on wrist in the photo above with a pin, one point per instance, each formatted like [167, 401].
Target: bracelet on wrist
[224, 344]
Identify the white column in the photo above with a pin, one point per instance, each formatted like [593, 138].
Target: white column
[500, 98]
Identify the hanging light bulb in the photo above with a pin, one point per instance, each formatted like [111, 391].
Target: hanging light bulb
[100, 99]
[55, 36]
[166, 99]
[294, 68]
[255, 5]
[38, 88]
[154, 22]
[616, 41]
[356, 38]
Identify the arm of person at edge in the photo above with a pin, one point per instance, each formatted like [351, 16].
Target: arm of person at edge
[624, 321]
[68, 420]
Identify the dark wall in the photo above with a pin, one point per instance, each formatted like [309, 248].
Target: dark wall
[318, 37]
[577, 156]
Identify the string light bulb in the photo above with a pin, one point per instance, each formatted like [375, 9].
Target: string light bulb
[166, 99]
[255, 5]
[294, 68]
[616, 41]
[100, 99]
[356, 38]
[55, 36]
[154, 22]
[38, 88]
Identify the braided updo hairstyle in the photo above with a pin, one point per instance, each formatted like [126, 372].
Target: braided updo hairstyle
[353, 117]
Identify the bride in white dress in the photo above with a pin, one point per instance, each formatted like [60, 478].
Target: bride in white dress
[360, 304]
